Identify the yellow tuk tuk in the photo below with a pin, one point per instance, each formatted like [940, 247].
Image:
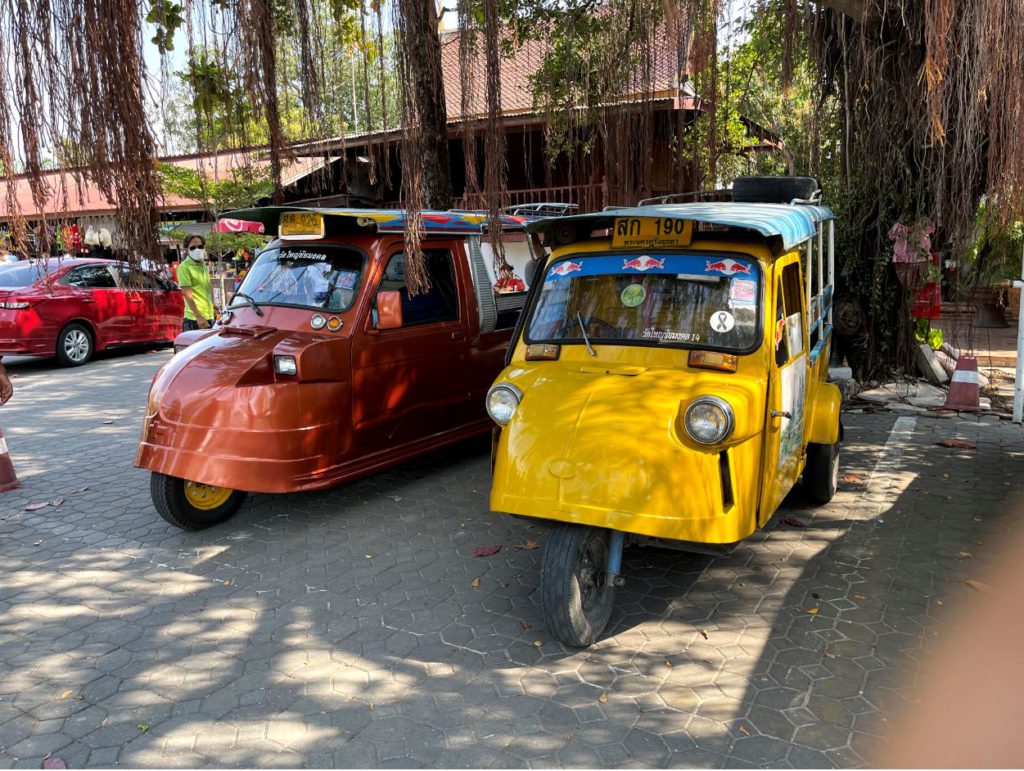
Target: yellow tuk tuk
[666, 384]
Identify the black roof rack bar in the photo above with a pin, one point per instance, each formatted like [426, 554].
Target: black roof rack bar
[692, 193]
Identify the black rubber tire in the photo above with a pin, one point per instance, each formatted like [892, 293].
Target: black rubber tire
[575, 556]
[821, 474]
[169, 498]
[80, 332]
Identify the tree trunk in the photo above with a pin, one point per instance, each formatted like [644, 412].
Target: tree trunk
[423, 56]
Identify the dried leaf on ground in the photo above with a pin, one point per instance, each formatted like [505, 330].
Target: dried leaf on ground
[830, 654]
[792, 522]
[487, 551]
[704, 633]
[56, 501]
[38, 543]
[67, 693]
[530, 545]
[981, 586]
[813, 611]
[537, 643]
[966, 555]
[853, 478]
[603, 698]
[143, 727]
[744, 730]
[668, 663]
[526, 624]
[475, 583]
[54, 762]
[37, 506]
[857, 596]
[957, 444]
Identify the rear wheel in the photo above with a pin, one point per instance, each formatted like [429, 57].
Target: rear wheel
[574, 597]
[821, 474]
[191, 505]
[74, 345]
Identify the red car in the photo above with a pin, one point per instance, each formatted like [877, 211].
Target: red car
[71, 308]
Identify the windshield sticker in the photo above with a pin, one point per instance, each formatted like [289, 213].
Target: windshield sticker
[633, 295]
[346, 279]
[722, 321]
[699, 266]
[642, 263]
[742, 291]
[727, 267]
[304, 255]
[671, 335]
[565, 268]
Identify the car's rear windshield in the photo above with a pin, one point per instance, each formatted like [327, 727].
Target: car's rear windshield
[321, 277]
[17, 276]
[689, 300]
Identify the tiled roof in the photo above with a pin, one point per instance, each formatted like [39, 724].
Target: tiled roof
[68, 196]
[518, 71]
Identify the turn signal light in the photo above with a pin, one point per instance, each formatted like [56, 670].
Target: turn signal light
[721, 362]
[543, 352]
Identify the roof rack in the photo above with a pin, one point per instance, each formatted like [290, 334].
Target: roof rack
[700, 195]
[551, 209]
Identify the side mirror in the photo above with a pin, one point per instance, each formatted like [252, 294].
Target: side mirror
[389, 310]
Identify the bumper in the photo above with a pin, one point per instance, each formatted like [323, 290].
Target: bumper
[279, 461]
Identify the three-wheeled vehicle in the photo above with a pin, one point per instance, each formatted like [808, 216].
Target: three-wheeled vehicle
[666, 385]
[324, 367]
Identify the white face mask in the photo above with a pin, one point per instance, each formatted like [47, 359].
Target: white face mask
[197, 253]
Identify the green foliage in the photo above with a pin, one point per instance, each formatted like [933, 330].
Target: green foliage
[166, 16]
[924, 334]
[995, 253]
[242, 186]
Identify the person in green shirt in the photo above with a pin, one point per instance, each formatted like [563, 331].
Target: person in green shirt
[194, 280]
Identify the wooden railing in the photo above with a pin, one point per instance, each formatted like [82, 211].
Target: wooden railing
[588, 197]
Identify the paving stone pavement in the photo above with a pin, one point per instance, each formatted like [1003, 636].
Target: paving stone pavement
[343, 628]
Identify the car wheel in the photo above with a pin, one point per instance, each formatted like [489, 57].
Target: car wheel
[191, 505]
[574, 598]
[74, 345]
[821, 474]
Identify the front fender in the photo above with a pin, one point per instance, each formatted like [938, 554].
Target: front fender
[826, 401]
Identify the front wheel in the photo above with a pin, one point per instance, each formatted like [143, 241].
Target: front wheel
[574, 596]
[821, 474]
[191, 505]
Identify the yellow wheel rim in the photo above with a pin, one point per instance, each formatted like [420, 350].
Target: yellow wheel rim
[206, 497]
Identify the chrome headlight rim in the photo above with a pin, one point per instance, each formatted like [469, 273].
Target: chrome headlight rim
[722, 404]
[510, 388]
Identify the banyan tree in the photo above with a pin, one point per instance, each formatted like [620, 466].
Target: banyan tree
[925, 96]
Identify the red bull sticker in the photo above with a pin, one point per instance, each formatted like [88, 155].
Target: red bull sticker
[722, 321]
[727, 267]
[633, 295]
[565, 268]
[643, 263]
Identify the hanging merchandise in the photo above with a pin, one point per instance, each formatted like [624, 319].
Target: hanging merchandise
[104, 238]
[92, 238]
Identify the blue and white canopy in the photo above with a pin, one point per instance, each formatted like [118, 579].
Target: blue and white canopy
[792, 223]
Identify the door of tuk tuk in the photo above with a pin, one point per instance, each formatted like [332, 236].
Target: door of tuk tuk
[787, 389]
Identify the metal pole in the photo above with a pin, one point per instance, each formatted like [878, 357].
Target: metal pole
[808, 278]
[1018, 383]
[831, 265]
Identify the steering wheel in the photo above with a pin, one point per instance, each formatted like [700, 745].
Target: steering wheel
[573, 324]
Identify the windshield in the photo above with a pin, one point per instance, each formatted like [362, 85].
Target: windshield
[20, 275]
[324, 278]
[662, 299]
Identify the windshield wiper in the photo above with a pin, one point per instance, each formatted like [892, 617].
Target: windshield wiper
[250, 301]
[586, 339]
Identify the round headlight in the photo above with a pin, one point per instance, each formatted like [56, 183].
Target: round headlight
[502, 402]
[708, 420]
[318, 321]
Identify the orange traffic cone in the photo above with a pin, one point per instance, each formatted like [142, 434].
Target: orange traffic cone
[8, 479]
[964, 393]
